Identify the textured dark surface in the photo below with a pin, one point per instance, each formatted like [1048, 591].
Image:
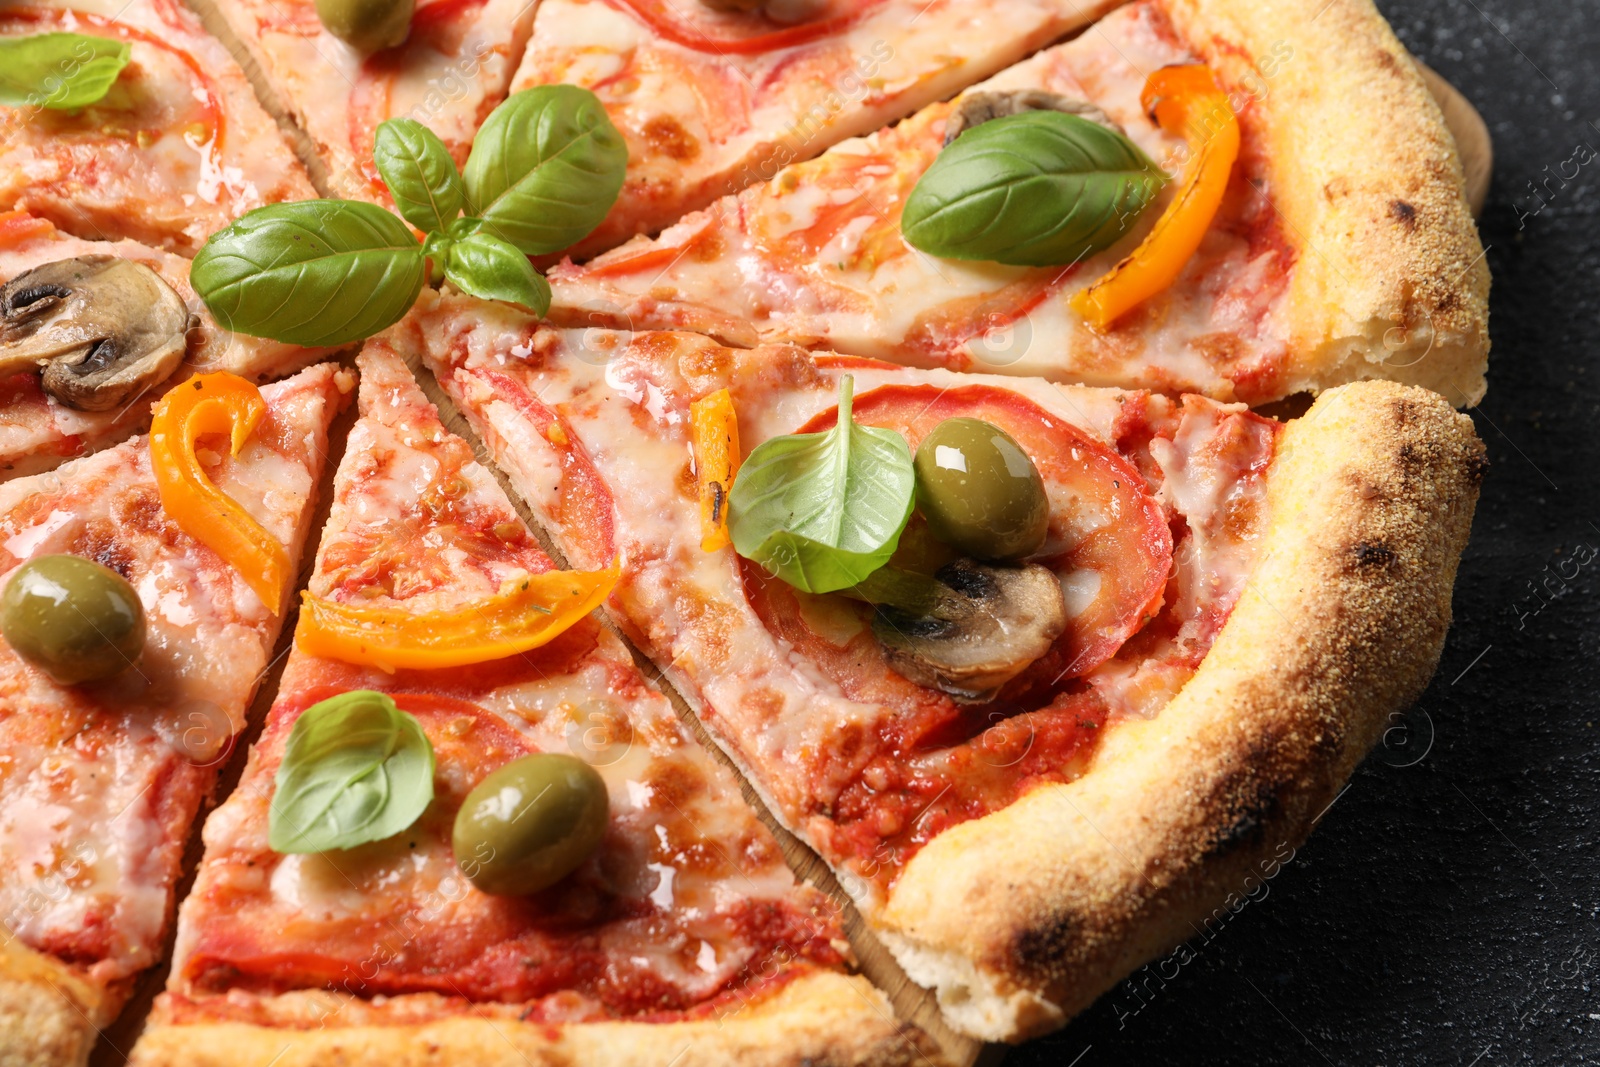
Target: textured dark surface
[1447, 910]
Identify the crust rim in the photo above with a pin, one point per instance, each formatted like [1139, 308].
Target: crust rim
[1341, 624]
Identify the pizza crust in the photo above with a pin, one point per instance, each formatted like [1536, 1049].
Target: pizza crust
[1389, 280]
[50, 1014]
[821, 1019]
[1021, 919]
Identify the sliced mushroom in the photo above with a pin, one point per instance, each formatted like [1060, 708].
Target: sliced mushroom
[975, 109]
[989, 624]
[104, 329]
[784, 12]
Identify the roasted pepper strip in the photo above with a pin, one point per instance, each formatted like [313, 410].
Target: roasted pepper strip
[532, 611]
[716, 461]
[1184, 100]
[208, 404]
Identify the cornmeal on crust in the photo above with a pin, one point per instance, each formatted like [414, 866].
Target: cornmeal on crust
[48, 1014]
[822, 1018]
[1371, 499]
[1391, 280]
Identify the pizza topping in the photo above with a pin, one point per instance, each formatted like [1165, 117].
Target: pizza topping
[980, 492]
[976, 108]
[824, 510]
[530, 824]
[715, 430]
[989, 624]
[544, 170]
[1183, 100]
[72, 618]
[59, 71]
[783, 12]
[356, 769]
[210, 404]
[367, 25]
[986, 195]
[105, 329]
[529, 612]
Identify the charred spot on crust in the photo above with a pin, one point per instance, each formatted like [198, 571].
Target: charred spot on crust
[1403, 213]
[1477, 465]
[1367, 555]
[1042, 948]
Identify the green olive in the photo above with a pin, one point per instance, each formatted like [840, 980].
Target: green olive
[367, 25]
[72, 618]
[980, 492]
[530, 824]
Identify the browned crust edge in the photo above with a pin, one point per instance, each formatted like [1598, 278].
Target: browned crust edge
[821, 1020]
[50, 1015]
[1390, 280]
[1021, 919]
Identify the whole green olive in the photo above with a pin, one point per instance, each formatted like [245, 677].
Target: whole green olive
[980, 492]
[367, 25]
[72, 618]
[530, 824]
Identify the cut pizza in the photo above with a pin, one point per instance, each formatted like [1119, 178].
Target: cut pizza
[1311, 231]
[548, 869]
[118, 323]
[173, 147]
[713, 96]
[134, 637]
[1041, 694]
[446, 66]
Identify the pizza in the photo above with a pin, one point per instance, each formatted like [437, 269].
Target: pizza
[176, 148]
[683, 930]
[713, 97]
[38, 430]
[1000, 460]
[1342, 247]
[102, 779]
[1227, 590]
[451, 71]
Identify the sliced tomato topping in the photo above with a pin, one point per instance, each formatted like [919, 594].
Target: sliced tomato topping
[739, 33]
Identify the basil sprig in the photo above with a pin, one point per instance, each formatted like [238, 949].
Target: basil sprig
[60, 71]
[823, 511]
[1043, 188]
[544, 171]
[356, 769]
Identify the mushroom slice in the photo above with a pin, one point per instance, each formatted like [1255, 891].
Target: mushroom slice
[783, 12]
[975, 109]
[103, 328]
[988, 624]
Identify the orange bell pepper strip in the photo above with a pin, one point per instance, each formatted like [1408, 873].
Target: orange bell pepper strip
[206, 404]
[1184, 100]
[532, 611]
[715, 434]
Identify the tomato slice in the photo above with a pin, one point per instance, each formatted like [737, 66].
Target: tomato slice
[737, 33]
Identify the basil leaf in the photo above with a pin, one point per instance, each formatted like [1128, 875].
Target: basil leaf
[421, 176]
[823, 511]
[484, 266]
[60, 71]
[546, 168]
[1037, 189]
[311, 272]
[356, 769]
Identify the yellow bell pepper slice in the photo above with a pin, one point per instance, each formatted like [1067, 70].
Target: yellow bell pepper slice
[715, 437]
[1185, 100]
[209, 404]
[531, 611]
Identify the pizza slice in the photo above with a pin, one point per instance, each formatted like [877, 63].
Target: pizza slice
[43, 422]
[670, 931]
[1124, 646]
[107, 752]
[1313, 229]
[452, 70]
[714, 96]
[176, 148]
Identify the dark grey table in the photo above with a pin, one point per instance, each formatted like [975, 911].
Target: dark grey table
[1447, 910]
